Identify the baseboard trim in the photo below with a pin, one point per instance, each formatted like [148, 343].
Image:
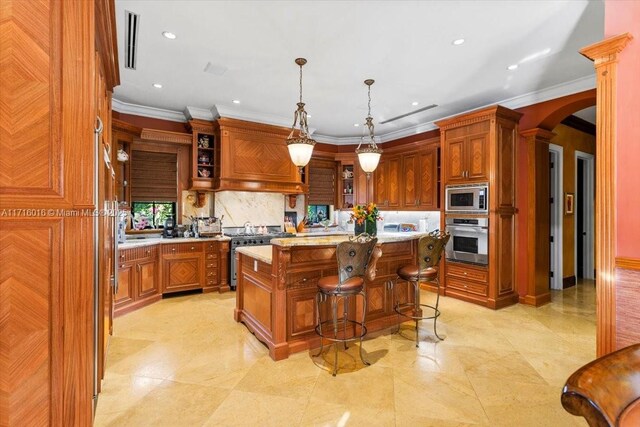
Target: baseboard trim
[568, 282]
[628, 263]
[535, 300]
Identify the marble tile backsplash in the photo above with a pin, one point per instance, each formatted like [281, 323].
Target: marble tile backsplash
[239, 207]
[188, 209]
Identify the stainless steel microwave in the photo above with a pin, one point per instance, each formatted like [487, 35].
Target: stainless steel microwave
[472, 198]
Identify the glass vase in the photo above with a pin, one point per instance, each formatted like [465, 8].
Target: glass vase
[369, 227]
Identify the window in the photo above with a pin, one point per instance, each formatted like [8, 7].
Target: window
[151, 215]
[317, 213]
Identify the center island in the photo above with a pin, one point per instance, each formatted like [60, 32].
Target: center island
[277, 287]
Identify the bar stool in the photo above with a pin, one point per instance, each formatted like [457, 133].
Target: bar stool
[357, 259]
[430, 250]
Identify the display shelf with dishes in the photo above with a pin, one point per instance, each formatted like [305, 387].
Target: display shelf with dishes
[347, 186]
[205, 152]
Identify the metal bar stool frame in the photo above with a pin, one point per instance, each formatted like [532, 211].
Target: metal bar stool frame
[345, 252]
[430, 250]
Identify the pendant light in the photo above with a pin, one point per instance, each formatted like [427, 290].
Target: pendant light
[369, 156]
[301, 145]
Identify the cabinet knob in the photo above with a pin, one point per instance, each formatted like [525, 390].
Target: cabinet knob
[304, 279]
[192, 248]
[465, 273]
[122, 266]
[173, 249]
[148, 252]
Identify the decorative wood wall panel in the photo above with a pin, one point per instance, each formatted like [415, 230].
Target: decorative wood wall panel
[627, 313]
[30, 321]
[30, 129]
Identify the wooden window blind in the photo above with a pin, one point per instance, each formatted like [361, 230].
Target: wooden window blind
[154, 176]
[322, 185]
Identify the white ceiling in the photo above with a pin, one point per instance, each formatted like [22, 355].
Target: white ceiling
[588, 114]
[406, 46]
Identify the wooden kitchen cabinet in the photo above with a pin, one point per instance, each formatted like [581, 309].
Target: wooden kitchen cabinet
[420, 184]
[480, 147]
[386, 182]
[125, 293]
[205, 155]
[183, 267]
[467, 159]
[147, 283]
[356, 190]
[138, 279]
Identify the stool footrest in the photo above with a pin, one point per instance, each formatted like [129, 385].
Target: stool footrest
[398, 307]
[363, 330]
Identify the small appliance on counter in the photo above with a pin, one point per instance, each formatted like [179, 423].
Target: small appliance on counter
[169, 230]
[210, 227]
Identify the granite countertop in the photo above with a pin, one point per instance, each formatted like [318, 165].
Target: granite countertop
[335, 239]
[261, 253]
[137, 243]
[324, 233]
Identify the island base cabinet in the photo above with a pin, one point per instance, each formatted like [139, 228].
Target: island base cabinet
[277, 302]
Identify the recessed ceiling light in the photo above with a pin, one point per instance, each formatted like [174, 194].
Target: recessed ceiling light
[236, 101]
[169, 35]
[512, 67]
[157, 85]
[414, 103]
[457, 42]
[356, 124]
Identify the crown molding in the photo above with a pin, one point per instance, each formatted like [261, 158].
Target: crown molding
[547, 94]
[195, 113]
[574, 86]
[152, 112]
[251, 116]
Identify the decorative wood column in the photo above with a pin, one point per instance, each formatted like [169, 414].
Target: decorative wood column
[538, 222]
[604, 54]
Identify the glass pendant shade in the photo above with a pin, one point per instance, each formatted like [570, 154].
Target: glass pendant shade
[369, 160]
[369, 156]
[299, 142]
[300, 153]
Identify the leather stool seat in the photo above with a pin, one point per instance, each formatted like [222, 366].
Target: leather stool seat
[411, 273]
[331, 284]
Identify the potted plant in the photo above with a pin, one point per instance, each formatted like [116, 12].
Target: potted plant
[365, 217]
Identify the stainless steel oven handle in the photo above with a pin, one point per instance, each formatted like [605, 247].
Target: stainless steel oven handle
[475, 230]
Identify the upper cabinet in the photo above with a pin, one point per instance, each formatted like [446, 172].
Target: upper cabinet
[205, 155]
[420, 185]
[353, 186]
[408, 178]
[466, 155]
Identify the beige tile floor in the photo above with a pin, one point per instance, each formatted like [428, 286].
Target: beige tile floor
[185, 362]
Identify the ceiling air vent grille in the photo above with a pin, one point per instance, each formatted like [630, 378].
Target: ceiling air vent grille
[132, 23]
[402, 116]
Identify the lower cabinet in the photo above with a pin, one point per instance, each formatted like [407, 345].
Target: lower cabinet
[138, 279]
[467, 282]
[182, 267]
[145, 273]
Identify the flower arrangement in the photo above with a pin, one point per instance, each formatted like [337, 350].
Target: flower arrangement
[362, 213]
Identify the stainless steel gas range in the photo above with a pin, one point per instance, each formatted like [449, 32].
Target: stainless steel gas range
[240, 238]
